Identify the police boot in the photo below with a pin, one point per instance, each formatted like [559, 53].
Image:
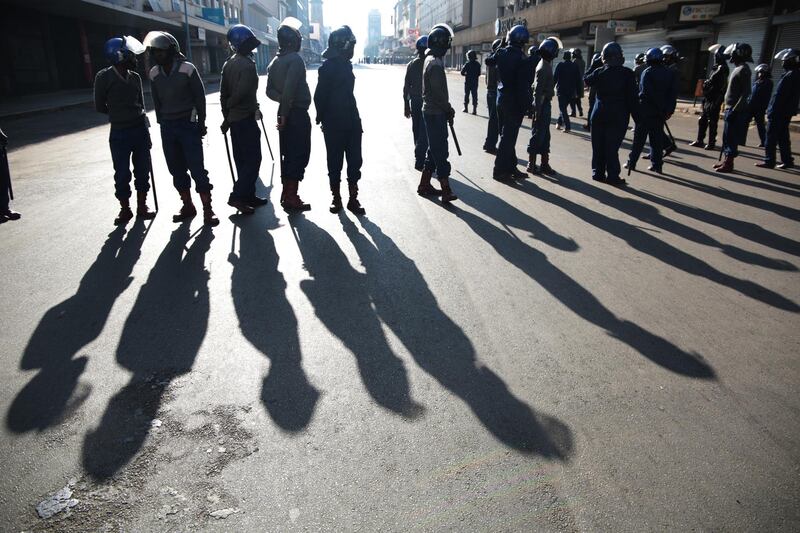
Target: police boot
[474, 110]
[353, 205]
[283, 191]
[447, 192]
[532, 168]
[336, 203]
[698, 144]
[292, 203]
[187, 210]
[142, 211]
[727, 165]
[518, 175]
[425, 188]
[465, 108]
[242, 206]
[125, 213]
[8, 214]
[711, 146]
[545, 166]
[209, 218]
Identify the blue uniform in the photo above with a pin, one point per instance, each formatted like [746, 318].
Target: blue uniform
[341, 123]
[567, 78]
[736, 115]
[713, 95]
[658, 95]
[615, 102]
[412, 94]
[472, 73]
[513, 101]
[493, 128]
[759, 100]
[782, 107]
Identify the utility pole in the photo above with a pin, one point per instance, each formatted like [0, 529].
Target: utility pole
[188, 37]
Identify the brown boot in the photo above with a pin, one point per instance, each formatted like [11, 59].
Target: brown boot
[187, 210]
[545, 167]
[425, 188]
[727, 165]
[532, 168]
[447, 192]
[336, 202]
[142, 211]
[209, 218]
[125, 213]
[292, 202]
[353, 205]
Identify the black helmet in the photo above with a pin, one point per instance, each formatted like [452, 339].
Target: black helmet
[533, 51]
[472, 55]
[670, 53]
[439, 39]
[739, 52]
[518, 36]
[763, 68]
[576, 52]
[242, 39]
[640, 58]
[719, 53]
[548, 49]
[567, 55]
[289, 37]
[341, 43]
[422, 44]
[790, 58]
[496, 44]
[654, 56]
[161, 40]
[612, 54]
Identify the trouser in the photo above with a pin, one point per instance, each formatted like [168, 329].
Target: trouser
[246, 139]
[591, 107]
[183, 150]
[607, 136]
[761, 127]
[492, 129]
[778, 137]
[652, 127]
[563, 112]
[5, 180]
[577, 102]
[510, 117]
[295, 145]
[471, 89]
[734, 131]
[540, 134]
[341, 143]
[436, 158]
[418, 128]
[709, 120]
[126, 144]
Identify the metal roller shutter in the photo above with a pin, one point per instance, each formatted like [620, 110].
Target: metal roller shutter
[789, 37]
[750, 31]
[641, 42]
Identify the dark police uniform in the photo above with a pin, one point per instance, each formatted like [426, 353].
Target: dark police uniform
[566, 79]
[492, 129]
[760, 95]
[513, 101]
[341, 123]
[543, 91]
[736, 112]
[713, 96]
[658, 95]
[615, 103]
[578, 101]
[782, 108]
[472, 73]
[436, 110]
[412, 93]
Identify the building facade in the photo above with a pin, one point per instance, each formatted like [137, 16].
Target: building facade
[372, 48]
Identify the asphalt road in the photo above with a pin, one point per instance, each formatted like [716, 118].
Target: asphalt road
[553, 355]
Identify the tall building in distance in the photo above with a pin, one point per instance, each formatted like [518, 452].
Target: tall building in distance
[373, 33]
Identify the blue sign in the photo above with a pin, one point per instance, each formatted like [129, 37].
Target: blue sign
[215, 15]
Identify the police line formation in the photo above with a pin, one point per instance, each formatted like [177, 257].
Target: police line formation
[519, 84]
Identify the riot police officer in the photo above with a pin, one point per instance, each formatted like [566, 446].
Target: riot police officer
[238, 98]
[412, 102]
[567, 81]
[543, 92]
[338, 113]
[737, 114]
[492, 129]
[671, 59]
[472, 73]
[286, 84]
[513, 100]
[713, 95]
[640, 65]
[760, 94]
[6, 213]
[118, 94]
[658, 96]
[577, 59]
[180, 104]
[595, 63]
[615, 103]
[782, 107]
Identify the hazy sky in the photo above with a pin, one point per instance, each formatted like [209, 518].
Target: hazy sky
[354, 14]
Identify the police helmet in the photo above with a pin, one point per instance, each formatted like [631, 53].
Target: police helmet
[289, 36]
[496, 44]
[439, 39]
[612, 54]
[639, 59]
[654, 56]
[739, 52]
[533, 51]
[422, 44]
[548, 49]
[790, 58]
[341, 43]
[763, 69]
[670, 54]
[576, 52]
[121, 49]
[719, 53]
[567, 55]
[518, 36]
[472, 55]
[242, 39]
[161, 40]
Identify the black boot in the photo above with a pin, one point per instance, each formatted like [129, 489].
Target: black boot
[353, 205]
[125, 213]
[336, 201]
[187, 209]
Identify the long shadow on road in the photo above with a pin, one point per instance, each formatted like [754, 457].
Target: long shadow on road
[405, 303]
[159, 343]
[68, 327]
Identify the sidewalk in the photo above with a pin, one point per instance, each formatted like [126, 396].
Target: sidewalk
[34, 104]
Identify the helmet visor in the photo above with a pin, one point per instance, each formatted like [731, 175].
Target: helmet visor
[292, 22]
[558, 42]
[714, 47]
[784, 54]
[133, 44]
[448, 28]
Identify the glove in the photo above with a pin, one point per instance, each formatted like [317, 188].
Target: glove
[407, 110]
[318, 121]
[259, 116]
[451, 115]
[281, 122]
[225, 127]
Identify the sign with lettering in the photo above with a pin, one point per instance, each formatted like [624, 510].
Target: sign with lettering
[621, 27]
[698, 12]
[501, 26]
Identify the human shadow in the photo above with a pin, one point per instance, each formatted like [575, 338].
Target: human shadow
[68, 327]
[754, 181]
[650, 214]
[405, 303]
[341, 300]
[583, 303]
[159, 343]
[641, 240]
[268, 322]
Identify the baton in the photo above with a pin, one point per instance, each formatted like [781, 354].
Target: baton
[153, 180]
[455, 139]
[666, 125]
[267, 138]
[8, 173]
[230, 164]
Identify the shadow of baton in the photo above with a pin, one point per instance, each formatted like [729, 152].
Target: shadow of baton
[267, 138]
[153, 180]
[455, 139]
